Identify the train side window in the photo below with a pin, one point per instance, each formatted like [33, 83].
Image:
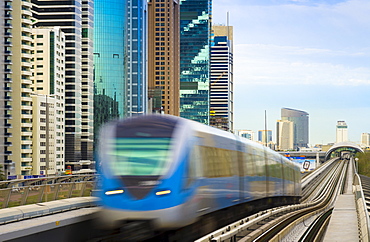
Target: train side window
[192, 169]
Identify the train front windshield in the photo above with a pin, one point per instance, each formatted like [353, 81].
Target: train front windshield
[141, 146]
[141, 156]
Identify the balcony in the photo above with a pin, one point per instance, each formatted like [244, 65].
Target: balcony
[7, 52]
[8, 126]
[8, 16]
[25, 168]
[8, 80]
[8, 152]
[8, 144]
[8, 71]
[8, 7]
[8, 34]
[8, 134]
[8, 116]
[8, 98]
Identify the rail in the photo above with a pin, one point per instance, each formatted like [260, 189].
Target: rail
[265, 225]
[362, 213]
[36, 190]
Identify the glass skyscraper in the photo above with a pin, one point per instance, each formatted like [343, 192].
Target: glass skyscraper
[110, 68]
[300, 125]
[195, 33]
[137, 97]
[221, 88]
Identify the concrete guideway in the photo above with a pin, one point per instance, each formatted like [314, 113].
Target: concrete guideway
[57, 224]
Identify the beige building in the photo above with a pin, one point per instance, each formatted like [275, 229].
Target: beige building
[365, 140]
[21, 122]
[43, 139]
[285, 135]
[164, 57]
[49, 83]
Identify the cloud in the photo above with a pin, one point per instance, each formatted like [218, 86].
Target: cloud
[259, 64]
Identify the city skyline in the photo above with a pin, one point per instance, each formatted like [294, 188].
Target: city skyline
[306, 55]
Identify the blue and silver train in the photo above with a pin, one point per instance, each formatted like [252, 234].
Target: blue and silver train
[173, 171]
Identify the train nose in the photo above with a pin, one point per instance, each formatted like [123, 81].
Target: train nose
[140, 186]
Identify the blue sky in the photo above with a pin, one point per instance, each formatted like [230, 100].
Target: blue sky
[310, 55]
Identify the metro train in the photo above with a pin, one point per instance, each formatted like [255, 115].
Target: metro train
[173, 171]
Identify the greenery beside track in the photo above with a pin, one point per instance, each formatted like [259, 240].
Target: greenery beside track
[364, 163]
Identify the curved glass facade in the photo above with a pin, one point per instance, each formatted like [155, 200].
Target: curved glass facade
[300, 125]
[195, 28]
[110, 43]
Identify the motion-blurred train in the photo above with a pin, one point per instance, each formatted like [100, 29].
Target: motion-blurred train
[173, 171]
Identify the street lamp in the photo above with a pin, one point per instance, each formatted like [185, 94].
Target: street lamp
[356, 160]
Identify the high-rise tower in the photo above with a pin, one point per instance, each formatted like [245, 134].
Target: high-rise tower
[75, 19]
[21, 77]
[221, 86]
[163, 56]
[137, 30]
[300, 125]
[110, 61]
[195, 33]
[285, 135]
[342, 132]
[6, 40]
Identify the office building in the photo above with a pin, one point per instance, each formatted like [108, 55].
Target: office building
[44, 146]
[195, 33]
[221, 81]
[265, 136]
[300, 125]
[110, 72]
[137, 31]
[20, 77]
[341, 132]
[285, 135]
[248, 134]
[6, 42]
[49, 103]
[365, 139]
[75, 19]
[164, 57]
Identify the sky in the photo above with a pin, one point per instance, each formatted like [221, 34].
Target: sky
[309, 55]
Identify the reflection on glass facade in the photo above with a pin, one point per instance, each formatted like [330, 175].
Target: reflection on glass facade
[195, 27]
[110, 43]
[300, 125]
[136, 57]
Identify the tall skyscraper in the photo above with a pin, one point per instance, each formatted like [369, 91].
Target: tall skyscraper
[342, 132]
[110, 61]
[49, 103]
[221, 87]
[195, 33]
[163, 56]
[20, 74]
[264, 136]
[137, 31]
[365, 139]
[75, 19]
[300, 123]
[6, 37]
[285, 135]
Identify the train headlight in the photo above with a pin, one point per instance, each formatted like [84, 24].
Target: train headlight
[163, 192]
[114, 192]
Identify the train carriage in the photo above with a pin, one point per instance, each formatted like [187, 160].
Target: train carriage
[172, 171]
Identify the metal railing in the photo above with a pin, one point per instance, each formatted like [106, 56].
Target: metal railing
[35, 190]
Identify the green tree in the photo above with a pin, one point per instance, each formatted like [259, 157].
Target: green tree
[364, 163]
